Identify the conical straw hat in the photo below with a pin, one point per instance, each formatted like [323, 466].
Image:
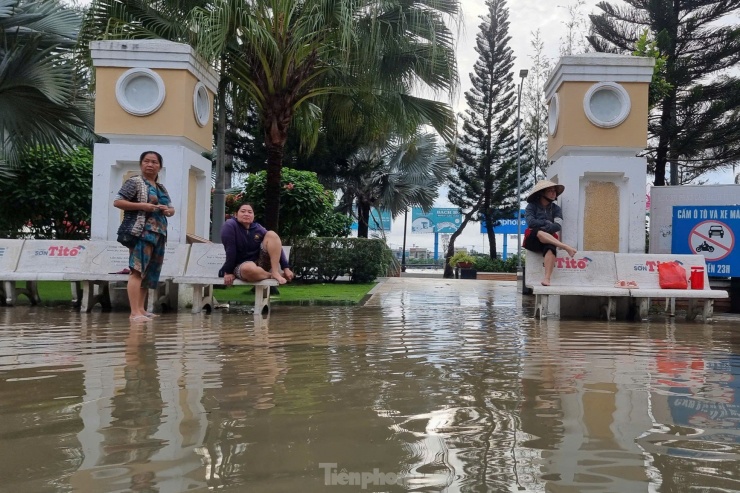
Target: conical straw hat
[541, 185]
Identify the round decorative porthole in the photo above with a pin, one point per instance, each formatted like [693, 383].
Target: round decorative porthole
[140, 91]
[553, 114]
[607, 104]
[201, 104]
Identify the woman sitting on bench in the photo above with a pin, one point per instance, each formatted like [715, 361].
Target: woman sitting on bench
[544, 221]
[253, 254]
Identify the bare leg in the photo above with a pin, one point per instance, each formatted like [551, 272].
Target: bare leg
[252, 272]
[549, 266]
[274, 247]
[551, 240]
[136, 294]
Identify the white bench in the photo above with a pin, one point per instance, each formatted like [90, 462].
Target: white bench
[589, 273]
[643, 269]
[10, 253]
[204, 262]
[106, 258]
[43, 260]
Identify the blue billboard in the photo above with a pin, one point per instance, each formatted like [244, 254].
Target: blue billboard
[506, 226]
[380, 220]
[710, 231]
[437, 220]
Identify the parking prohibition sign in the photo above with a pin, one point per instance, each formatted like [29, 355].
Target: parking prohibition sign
[713, 239]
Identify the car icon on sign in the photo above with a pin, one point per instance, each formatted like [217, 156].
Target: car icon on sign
[716, 230]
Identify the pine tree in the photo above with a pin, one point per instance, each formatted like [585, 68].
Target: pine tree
[484, 181]
[692, 125]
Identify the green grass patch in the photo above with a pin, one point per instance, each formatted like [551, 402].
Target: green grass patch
[296, 293]
[51, 293]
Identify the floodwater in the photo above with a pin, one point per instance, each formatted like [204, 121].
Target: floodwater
[433, 385]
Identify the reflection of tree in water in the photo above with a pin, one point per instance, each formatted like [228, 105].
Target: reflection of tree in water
[276, 414]
[137, 409]
[252, 368]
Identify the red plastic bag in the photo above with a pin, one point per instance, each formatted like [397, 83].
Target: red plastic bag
[671, 275]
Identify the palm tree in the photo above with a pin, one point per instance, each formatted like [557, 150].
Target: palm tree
[399, 175]
[292, 54]
[287, 55]
[39, 99]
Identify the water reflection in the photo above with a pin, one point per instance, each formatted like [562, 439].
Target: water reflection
[433, 386]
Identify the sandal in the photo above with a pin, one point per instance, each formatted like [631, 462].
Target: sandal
[123, 271]
[140, 318]
[150, 314]
[626, 284]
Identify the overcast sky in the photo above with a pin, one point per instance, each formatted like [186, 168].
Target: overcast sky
[525, 17]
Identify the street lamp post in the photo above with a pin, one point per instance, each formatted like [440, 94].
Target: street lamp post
[522, 75]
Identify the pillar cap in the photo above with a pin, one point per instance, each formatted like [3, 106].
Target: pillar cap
[153, 54]
[599, 67]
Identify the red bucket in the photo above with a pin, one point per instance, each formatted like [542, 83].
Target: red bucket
[697, 277]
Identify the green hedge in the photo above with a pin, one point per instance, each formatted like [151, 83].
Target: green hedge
[487, 264]
[325, 259]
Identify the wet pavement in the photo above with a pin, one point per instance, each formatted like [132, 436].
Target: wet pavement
[433, 385]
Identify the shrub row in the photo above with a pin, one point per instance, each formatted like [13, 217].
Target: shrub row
[487, 264]
[325, 259]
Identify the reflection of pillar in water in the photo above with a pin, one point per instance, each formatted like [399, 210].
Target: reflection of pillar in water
[137, 406]
[602, 413]
[143, 415]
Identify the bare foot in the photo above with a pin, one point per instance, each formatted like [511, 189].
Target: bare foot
[546, 282]
[571, 251]
[280, 279]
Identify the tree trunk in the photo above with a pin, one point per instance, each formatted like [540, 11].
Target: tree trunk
[218, 213]
[491, 233]
[363, 219]
[272, 186]
[449, 274]
[664, 140]
[277, 121]
[668, 115]
[493, 250]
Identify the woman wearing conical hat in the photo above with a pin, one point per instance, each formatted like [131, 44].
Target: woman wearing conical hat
[544, 222]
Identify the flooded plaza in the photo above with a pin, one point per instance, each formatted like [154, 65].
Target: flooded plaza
[432, 385]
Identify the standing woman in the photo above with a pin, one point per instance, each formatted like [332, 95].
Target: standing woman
[146, 205]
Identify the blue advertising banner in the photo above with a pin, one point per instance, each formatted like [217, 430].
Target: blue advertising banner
[709, 231]
[380, 220]
[506, 226]
[437, 220]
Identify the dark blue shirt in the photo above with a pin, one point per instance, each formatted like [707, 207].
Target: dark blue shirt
[243, 245]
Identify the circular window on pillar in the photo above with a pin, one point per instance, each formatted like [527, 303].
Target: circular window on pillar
[607, 104]
[201, 104]
[553, 114]
[140, 91]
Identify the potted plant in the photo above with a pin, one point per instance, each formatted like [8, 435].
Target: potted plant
[461, 259]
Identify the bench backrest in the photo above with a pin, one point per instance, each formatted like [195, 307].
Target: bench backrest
[53, 256]
[643, 267]
[205, 260]
[107, 257]
[10, 253]
[587, 268]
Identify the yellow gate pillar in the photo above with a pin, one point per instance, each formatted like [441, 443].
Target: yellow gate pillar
[153, 95]
[598, 114]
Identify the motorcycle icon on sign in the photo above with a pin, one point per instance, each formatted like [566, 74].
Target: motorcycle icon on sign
[704, 247]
